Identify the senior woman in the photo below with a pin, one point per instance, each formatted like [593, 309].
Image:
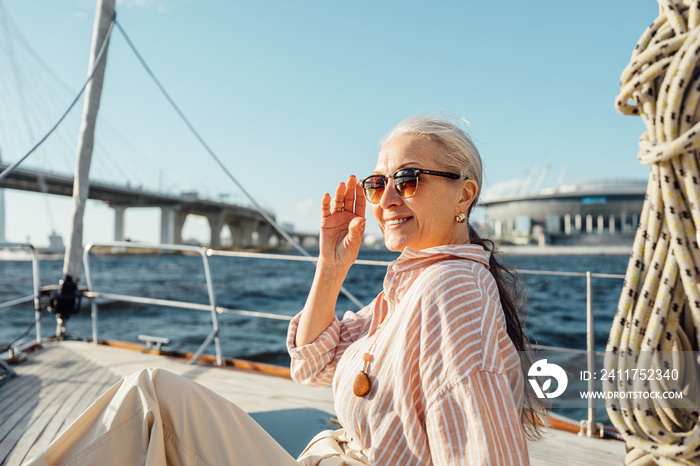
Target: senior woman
[427, 373]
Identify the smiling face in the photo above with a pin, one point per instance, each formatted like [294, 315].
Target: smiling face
[426, 219]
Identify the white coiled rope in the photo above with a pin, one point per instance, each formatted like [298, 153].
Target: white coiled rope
[658, 316]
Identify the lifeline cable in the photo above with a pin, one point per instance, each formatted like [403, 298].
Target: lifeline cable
[221, 165]
[12, 167]
[8, 346]
[658, 316]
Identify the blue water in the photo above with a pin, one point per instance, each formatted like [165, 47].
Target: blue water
[556, 306]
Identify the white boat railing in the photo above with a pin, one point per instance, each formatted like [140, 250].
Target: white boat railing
[92, 294]
[211, 307]
[36, 285]
[590, 423]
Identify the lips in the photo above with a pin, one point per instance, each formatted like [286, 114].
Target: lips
[397, 221]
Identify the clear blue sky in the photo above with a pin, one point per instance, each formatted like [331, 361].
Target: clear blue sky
[294, 96]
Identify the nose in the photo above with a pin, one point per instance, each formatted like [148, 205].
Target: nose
[390, 198]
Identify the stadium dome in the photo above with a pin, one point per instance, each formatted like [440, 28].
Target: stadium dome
[587, 212]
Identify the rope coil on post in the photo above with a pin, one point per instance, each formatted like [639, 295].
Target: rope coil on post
[657, 323]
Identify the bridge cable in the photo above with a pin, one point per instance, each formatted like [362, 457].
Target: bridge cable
[100, 56]
[209, 150]
[103, 150]
[657, 325]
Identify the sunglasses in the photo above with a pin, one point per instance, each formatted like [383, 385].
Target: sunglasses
[405, 182]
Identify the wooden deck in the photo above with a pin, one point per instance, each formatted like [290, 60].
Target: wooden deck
[53, 387]
[57, 383]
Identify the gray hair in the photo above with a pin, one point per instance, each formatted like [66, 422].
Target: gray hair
[461, 155]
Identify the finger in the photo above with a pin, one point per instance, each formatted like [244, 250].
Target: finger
[349, 200]
[360, 201]
[356, 230]
[339, 198]
[326, 205]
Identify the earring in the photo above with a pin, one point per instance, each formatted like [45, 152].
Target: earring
[461, 218]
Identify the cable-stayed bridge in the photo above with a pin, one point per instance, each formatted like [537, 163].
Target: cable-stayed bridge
[34, 96]
[247, 225]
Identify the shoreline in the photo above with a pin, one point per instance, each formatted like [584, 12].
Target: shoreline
[533, 250]
[509, 249]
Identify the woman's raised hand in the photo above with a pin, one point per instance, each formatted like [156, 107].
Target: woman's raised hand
[342, 225]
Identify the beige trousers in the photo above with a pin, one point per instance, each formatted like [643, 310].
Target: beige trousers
[155, 417]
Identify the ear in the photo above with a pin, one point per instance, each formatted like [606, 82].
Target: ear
[468, 194]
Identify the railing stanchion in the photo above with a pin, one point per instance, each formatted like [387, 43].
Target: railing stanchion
[93, 303]
[212, 302]
[35, 286]
[37, 303]
[94, 317]
[590, 347]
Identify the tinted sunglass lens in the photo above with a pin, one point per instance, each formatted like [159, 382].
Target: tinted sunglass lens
[406, 183]
[374, 188]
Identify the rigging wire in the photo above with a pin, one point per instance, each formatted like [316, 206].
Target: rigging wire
[100, 56]
[218, 161]
[23, 103]
[45, 93]
[208, 149]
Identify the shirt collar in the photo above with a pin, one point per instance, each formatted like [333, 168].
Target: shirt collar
[411, 258]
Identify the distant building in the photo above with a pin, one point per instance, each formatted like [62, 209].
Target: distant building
[603, 211]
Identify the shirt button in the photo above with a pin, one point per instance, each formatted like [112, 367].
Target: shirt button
[395, 267]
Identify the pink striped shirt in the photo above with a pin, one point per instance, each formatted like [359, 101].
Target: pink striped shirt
[446, 382]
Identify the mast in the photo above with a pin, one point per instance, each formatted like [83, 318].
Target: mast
[66, 302]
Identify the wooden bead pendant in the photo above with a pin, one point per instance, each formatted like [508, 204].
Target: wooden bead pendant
[362, 385]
